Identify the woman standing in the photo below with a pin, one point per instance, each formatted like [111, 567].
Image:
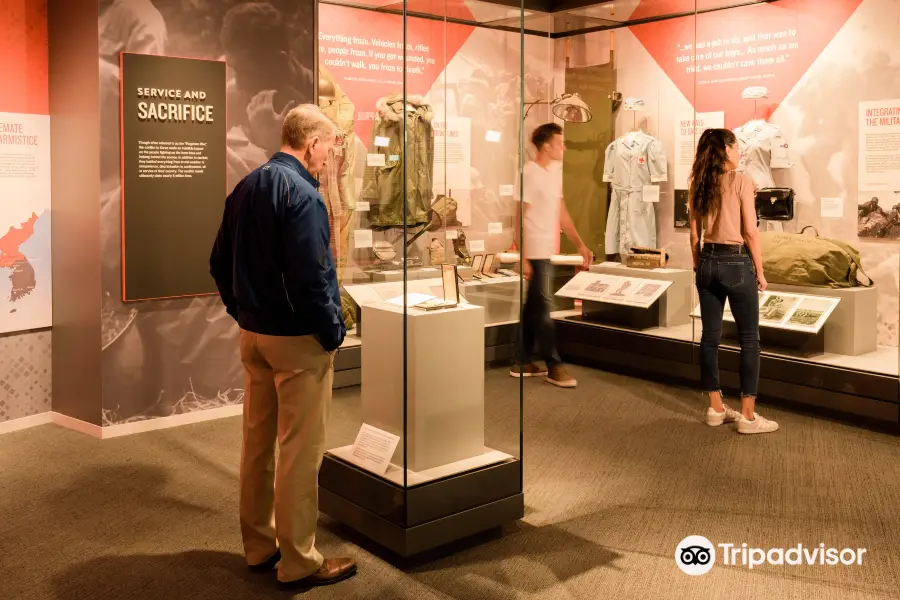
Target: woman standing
[729, 267]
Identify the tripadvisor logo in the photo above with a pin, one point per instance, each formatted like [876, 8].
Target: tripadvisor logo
[696, 555]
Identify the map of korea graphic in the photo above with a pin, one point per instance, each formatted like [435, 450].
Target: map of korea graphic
[21, 273]
[25, 243]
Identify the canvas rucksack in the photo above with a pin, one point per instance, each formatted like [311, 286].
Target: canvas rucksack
[798, 259]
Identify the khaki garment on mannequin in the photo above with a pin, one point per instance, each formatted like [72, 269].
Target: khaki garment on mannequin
[287, 396]
[337, 187]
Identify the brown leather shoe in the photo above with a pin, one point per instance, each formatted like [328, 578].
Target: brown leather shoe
[529, 370]
[332, 571]
[560, 377]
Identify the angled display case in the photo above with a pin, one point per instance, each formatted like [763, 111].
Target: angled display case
[422, 192]
[822, 155]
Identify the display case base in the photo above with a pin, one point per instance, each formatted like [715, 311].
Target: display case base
[805, 344]
[426, 516]
[630, 317]
[867, 398]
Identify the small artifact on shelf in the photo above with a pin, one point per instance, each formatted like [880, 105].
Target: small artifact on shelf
[646, 258]
[436, 252]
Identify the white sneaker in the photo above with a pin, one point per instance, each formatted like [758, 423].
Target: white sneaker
[714, 419]
[757, 425]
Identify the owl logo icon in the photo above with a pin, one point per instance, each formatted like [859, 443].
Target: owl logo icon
[695, 555]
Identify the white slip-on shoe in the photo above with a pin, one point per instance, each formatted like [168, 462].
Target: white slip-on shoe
[714, 419]
[757, 425]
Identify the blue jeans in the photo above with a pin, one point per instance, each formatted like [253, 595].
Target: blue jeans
[726, 272]
[537, 326]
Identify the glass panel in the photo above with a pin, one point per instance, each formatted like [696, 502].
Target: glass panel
[801, 108]
[361, 73]
[460, 416]
[431, 158]
[625, 171]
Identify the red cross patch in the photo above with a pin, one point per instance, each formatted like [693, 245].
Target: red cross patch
[641, 160]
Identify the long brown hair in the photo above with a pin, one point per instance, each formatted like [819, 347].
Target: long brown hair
[709, 168]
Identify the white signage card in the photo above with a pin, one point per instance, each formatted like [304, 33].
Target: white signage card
[651, 193]
[362, 206]
[476, 245]
[832, 208]
[614, 289]
[412, 299]
[373, 449]
[375, 160]
[780, 157]
[362, 238]
[495, 228]
[382, 142]
[879, 147]
[796, 312]
[452, 234]
[452, 154]
[688, 129]
[507, 190]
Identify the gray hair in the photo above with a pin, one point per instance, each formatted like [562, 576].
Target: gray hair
[304, 122]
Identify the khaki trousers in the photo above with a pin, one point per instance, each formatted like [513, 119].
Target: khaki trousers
[287, 396]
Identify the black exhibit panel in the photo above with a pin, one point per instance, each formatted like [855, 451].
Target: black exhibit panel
[173, 174]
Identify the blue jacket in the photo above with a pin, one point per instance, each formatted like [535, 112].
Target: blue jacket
[271, 260]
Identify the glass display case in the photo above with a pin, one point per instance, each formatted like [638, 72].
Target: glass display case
[436, 100]
[812, 97]
[421, 190]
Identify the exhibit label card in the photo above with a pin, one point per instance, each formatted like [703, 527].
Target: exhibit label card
[173, 173]
[507, 190]
[651, 193]
[879, 147]
[832, 208]
[495, 228]
[362, 238]
[476, 246]
[362, 206]
[382, 142]
[375, 160]
[373, 449]
[688, 129]
[452, 234]
[452, 155]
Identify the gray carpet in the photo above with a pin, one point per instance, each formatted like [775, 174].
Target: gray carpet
[617, 473]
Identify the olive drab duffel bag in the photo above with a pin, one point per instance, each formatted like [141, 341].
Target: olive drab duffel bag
[799, 259]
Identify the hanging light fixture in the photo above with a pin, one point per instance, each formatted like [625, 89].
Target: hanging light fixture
[571, 109]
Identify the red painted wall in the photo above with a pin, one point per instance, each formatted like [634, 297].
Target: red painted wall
[23, 57]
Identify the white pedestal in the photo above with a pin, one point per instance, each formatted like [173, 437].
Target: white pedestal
[445, 381]
[412, 274]
[852, 329]
[676, 303]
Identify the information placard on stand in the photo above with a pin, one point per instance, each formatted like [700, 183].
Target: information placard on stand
[615, 300]
[614, 289]
[791, 312]
[786, 320]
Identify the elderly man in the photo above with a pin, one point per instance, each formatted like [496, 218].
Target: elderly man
[274, 270]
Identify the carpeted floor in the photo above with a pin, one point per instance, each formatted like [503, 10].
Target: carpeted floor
[618, 472]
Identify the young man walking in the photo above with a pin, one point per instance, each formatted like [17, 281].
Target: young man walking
[274, 270]
[545, 214]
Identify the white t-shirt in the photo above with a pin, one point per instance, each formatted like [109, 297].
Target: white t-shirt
[542, 192]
